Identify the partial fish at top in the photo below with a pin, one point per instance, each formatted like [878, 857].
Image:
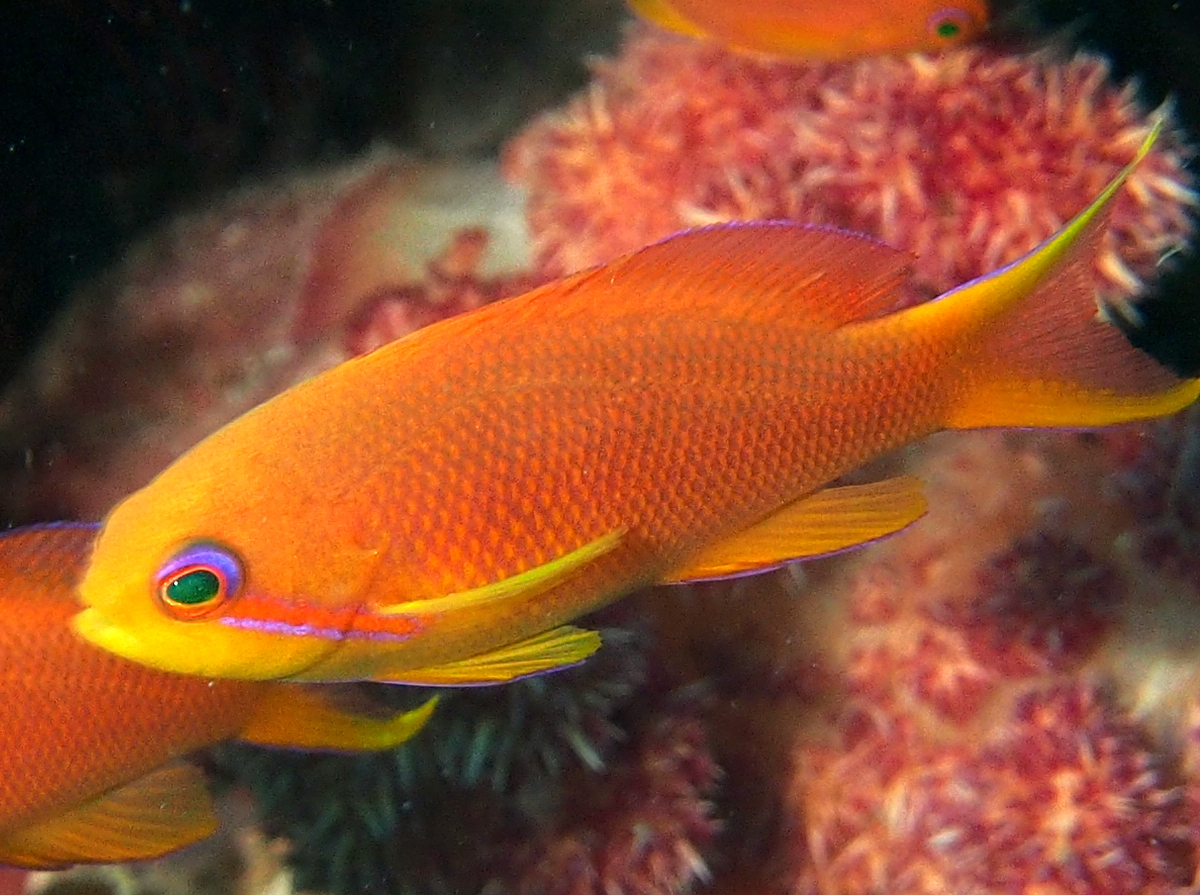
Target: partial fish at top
[822, 29]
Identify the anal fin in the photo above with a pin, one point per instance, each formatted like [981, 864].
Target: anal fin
[817, 525]
[155, 814]
[551, 650]
[295, 716]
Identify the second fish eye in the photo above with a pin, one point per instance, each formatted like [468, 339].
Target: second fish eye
[950, 25]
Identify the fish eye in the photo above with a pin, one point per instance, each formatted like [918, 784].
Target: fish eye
[197, 581]
[948, 26]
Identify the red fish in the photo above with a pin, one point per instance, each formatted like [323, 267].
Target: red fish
[438, 510]
[91, 745]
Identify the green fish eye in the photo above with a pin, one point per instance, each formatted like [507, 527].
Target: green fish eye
[950, 25]
[949, 30]
[193, 588]
[198, 581]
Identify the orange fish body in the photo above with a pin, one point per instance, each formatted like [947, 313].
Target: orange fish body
[89, 742]
[817, 29]
[437, 510]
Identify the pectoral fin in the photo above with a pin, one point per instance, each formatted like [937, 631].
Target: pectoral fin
[525, 584]
[155, 814]
[817, 525]
[298, 717]
[550, 651]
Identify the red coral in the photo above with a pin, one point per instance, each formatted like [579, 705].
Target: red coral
[452, 286]
[12, 882]
[910, 657]
[1063, 797]
[1001, 583]
[967, 159]
[217, 312]
[637, 831]
[1041, 605]
[1156, 471]
[1044, 603]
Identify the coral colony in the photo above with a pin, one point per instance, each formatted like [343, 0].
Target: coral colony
[1008, 680]
[1003, 698]
[967, 160]
[228, 306]
[556, 781]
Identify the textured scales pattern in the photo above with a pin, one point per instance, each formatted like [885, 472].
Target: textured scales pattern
[657, 405]
[76, 721]
[677, 411]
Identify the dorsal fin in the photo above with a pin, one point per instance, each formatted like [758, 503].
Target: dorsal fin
[43, 561]
[763, 271]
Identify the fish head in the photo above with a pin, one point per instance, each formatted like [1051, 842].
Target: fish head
[218, 582]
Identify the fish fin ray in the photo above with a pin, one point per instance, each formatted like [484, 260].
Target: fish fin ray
[1050, 356]
[774, 273]
[300, 718]
[826, 522]
[767, 272]
[551, 650]
[153, 815]
[524, 584]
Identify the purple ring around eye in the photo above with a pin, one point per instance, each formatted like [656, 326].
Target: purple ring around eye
[955, 14]
[205, 554]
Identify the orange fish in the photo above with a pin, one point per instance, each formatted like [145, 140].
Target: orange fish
[90, 744]
[437, 510]
[822, 29]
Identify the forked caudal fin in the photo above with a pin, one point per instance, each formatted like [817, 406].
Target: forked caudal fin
[1045, 354]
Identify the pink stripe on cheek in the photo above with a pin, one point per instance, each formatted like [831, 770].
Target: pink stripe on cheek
[300, 618]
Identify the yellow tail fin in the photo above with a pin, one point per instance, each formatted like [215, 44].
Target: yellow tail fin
[1047, 356]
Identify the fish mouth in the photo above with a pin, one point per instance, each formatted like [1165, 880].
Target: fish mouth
[99, 631]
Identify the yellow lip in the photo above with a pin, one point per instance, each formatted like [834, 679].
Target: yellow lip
[95, 629]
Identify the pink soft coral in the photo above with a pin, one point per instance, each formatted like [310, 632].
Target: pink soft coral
[967, 159]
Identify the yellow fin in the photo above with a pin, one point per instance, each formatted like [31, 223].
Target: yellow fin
[557, 648]
[1043, 353]
[1050, 356]
[163, 811]
[297, 717]
[527, 583]
[663, 14]
[822, 523]
[990, 295]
